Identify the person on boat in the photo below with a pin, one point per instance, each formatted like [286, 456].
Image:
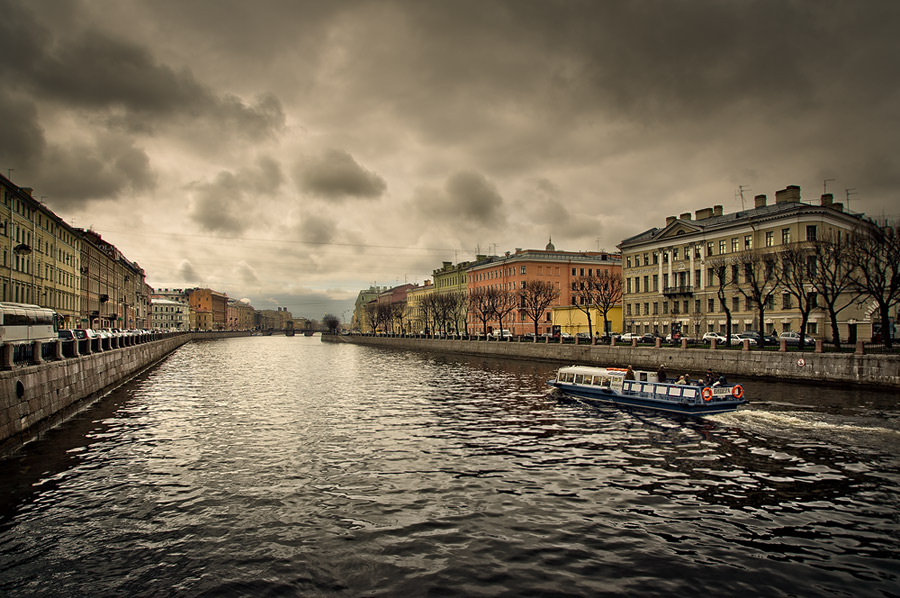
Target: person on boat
[709, 377]
[629, 373]
[661, 374]
[681, 380]
[687, 379]
[720, 382]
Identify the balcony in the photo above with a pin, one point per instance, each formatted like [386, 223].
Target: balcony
[686, 290]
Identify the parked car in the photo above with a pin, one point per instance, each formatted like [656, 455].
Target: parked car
[647, 338]
[501, 333]
[583, 336]
[85, 333]
[627, 337]
[792, 339]
[66, 335]
[768, 339]
[741, 337]
[709, 336]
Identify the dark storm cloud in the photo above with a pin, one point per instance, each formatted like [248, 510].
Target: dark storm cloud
[188, 273]
[317, 229]
[468, 199]
[336, 175]
[23, 138]
[227, 204]
[109, 167]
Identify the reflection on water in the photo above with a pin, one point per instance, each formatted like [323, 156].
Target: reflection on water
[287, 466]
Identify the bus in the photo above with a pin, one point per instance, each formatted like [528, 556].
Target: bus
[24, 323]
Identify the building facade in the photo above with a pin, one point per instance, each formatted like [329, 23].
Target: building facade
[41, 259]
[670, 273]
[209, 309]
[170, 315]
[511, 272]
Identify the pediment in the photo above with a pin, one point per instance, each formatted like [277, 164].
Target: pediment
[679, 228]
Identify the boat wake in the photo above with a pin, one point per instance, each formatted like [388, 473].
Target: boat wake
[869, 431]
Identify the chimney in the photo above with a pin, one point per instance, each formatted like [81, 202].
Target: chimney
[670, 220]
[717, 210]
[838, 207]
[790, 194]
[759, 201]
[827, 199]
[685, 216]
[27, 190]
[704, 213]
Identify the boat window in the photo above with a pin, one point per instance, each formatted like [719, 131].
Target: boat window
[642, 376]
[606, 382]
[579, 379]
[674, 391]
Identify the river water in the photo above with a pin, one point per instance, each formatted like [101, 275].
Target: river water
[274, 466]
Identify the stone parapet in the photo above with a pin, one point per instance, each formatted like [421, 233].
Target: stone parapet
[835, 368]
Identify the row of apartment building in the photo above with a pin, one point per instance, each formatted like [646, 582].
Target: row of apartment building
[509, 272]
[91, 284]
[668, 281]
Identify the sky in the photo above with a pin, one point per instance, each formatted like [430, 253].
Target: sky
[293, 153]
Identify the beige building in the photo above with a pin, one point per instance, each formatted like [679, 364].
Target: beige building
[669, 272]
[414, 306]
[41, 259]
[170, 315]
[240, 315]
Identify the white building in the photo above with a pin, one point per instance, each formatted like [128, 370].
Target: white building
[170, 315]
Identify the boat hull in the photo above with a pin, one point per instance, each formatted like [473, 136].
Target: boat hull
[614, 397]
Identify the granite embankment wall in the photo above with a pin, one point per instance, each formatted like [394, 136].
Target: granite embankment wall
[35, 398]
[835, 368]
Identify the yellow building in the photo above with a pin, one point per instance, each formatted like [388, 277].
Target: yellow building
[670, 276]
[573, 320]
[41, 258]
[415, 300]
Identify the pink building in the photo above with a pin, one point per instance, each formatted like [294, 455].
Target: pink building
[511, 271]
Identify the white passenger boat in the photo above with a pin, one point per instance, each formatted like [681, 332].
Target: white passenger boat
[608, 385]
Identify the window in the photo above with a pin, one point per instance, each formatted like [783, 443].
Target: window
[637, 284]
[812, 299]
[646, 309]
[628, 261]
[523, 269]
[812, 328]
[656, 309]
[646, 284]
[811, 265]
[721, 246]
[665, 307]
[811, 232]
[748, 242]
[697, 251]
[696, 306]
[646, 259]
[734, 245]
[655, 258]
[697, 278]
[627, 285]
[627, 309]
[735, 304]
[709, 248]
[710, 305]
[655, 282]
[785, 236]
[674, 253]
[785, 301]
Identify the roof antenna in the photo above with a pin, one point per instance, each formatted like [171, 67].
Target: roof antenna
[825, 185]
[741, 189]
[849, 192]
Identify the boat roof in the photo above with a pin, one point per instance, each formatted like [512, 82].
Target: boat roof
[589, 370]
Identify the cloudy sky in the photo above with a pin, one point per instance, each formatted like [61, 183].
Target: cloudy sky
[295, 152]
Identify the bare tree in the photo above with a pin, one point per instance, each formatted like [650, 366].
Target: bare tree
[371, 312]
[505, 303]
[583, 289]
[398, 314]
[760, 271]
[534, 299]
[721, 268]
[481, 305]
[798, 272]
[607, 295]
[875, 255]
[332, 323]
[459, 311]
[832, 278]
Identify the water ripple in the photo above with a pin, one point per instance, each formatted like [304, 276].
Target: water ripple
[290, 467]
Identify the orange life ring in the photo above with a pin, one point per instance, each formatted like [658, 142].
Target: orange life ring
[738, 391]
[707, 394]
